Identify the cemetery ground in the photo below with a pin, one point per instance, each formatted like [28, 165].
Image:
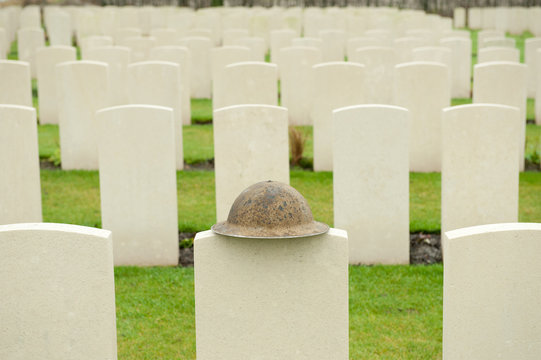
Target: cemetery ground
[395, 311]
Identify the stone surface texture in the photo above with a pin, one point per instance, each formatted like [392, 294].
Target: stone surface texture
[371, 182]
[490, 307]
[138, 184]
[245, 308]
[57, 292]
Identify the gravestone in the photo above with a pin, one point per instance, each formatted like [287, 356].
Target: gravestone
[503, 83]
[250, 145]
[138, 186]
[121, 34]
[165, 37]
[333, 46]
[57, 292]
[496, 53]
[459, 17]
[538, 89]
[118, 58]
[59, 29]
[28, 41]
[179, 55]
[158, 83]
[16, 85]
[255, 83]
[81, 89]
[280, 39]
[530, 48]
[308, 42]
[256, 44]
[200, 68]
[379, 62]
[231, 35]
[297, 81]
[239, 285]
[403, 47]
[46, 60]
[91, 42]
[423, 89]
[352, 44]
[479, 186]
[371, 176]
[461, 66]
[140, 47]
[336, 85]
[497, 41]
[490, 286]
[19, 157]
[223, 56]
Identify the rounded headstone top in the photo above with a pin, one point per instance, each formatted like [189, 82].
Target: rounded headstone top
[270, 210]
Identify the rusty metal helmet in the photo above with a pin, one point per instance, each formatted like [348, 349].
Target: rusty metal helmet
[270, 210]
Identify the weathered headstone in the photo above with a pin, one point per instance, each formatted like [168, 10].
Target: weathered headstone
[136, 142]
[480, 145]
[423, 89]
[503, 83]
[250, 145]
[57, 292]
[245, 309]
[46, 60]
[81, 89]
[336, 85]
[490, 286]
[20, 191]
[158, 83]
[371, 176]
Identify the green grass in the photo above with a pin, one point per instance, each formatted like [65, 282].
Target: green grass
[73, 197]
[201, 110]
[395, 312]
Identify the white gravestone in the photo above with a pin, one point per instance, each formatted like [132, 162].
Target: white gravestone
[16, 85]
[256, 44]
[379, 63]
[459, 17]
[179, 55]
[81, 89]
[352, 44]
[496, 53]
[250, 145]
[371, 176]
[165, 37]
[403, 47]
[245, 309]
[530, 48]
[297, 81]
[140, 47]
[20, 190]
[122, 34]
[46, 60]
[503, 83]
[336, 85]
[255, 83]
[28, 41]
[461, 69]
[480, 180]
[91, 42]
[223, 56]
[231, 35]
[538, 89]
[200, 71]
[118, 58]
[59, 29]
[423, 88]
[497, 41]
[490, 292]
[138, 183]
[280, 39]
[57, 292]
[308, 42]
[333, 47]
[158, 83]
